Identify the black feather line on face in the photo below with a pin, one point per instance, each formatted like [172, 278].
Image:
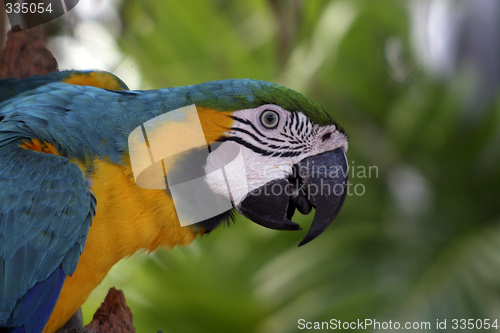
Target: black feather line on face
[298, 147]
[292, 120]
[260, 150]
[287, 136]
[276, 140]
[248, 122]
[245, 144]
[237, 129]
[278, 147]
[297, 123]
[301, 126]
[290, 153]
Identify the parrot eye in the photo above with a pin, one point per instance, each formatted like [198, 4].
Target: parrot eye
[269, 119]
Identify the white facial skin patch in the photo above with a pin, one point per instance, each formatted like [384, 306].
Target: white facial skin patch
[270, 153]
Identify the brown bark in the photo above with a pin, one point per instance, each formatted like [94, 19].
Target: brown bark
[25, 55]
[114, 316]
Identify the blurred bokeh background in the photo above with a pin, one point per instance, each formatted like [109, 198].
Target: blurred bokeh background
[415, 84]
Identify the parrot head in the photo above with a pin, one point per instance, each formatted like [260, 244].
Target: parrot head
[282, 152]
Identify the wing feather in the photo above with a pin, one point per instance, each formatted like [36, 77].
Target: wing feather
[45, 213]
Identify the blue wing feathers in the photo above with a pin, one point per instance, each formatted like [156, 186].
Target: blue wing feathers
[40, 300]
[45, 213]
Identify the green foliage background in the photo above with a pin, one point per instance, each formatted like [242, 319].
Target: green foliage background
[388, 256]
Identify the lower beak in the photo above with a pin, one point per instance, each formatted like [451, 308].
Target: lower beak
[320, 181]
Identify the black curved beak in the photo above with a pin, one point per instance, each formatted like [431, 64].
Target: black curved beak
[319, 181]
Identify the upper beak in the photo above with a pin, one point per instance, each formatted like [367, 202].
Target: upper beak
[320, 181]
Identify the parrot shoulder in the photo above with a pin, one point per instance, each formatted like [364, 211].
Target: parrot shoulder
[11, 87]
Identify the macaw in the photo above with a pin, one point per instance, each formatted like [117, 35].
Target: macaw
[70, 203]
